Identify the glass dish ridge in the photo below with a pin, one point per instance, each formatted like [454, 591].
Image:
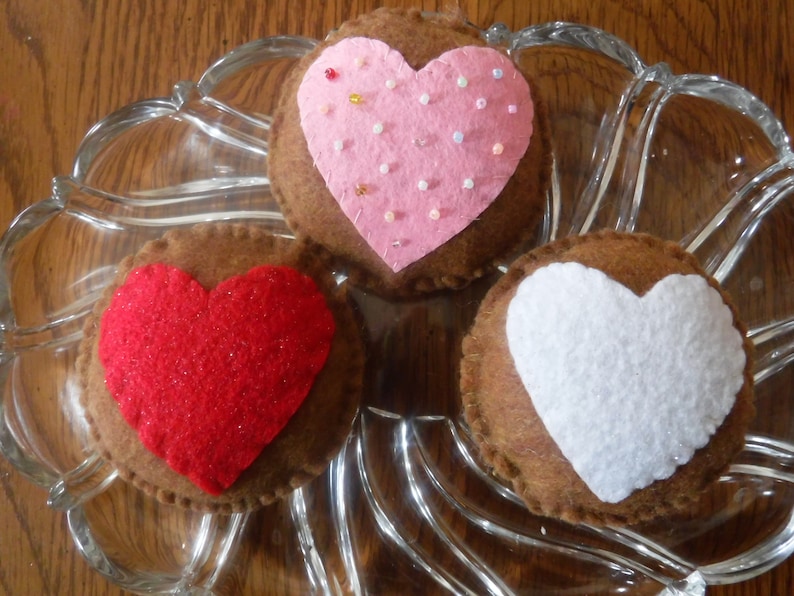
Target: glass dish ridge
[626, 138]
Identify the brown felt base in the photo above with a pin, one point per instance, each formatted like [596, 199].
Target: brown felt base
[313, 214]
[212, 253]
[512, 437]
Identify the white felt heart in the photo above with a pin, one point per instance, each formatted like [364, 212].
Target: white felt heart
[628, 387]
[413, 157]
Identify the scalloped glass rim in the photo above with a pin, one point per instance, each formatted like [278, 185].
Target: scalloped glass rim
[217, 540]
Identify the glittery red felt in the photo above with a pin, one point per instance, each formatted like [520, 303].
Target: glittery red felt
[209, 378]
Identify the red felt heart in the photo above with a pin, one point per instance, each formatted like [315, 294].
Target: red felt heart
[209, 378]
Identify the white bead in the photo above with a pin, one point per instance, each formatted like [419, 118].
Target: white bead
[468, 184]
[422, 185]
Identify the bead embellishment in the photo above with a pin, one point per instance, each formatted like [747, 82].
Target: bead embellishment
[427, 135]
[330, 74]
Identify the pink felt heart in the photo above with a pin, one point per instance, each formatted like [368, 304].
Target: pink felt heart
[208, 378]
[413, 157]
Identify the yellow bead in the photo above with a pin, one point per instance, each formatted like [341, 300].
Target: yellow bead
[355, 98]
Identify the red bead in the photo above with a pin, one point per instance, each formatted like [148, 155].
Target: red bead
[330, 74]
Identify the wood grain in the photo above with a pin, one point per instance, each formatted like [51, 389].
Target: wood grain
[64, 65]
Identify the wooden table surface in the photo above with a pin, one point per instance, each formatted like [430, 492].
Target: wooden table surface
[65, 64]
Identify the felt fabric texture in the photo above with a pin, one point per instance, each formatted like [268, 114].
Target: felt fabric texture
[512, 435]
[210, 254]
[208, 378]
[315, 216]
[675, 363]
[413, 157]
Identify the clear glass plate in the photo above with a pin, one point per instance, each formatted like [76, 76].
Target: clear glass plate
[407, 505]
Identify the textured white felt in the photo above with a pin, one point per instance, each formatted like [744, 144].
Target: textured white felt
[628, 387]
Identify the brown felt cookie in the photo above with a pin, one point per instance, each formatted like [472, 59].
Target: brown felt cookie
[208, 256]
[409, 173]
[608, 378]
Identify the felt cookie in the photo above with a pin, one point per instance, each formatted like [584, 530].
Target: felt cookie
[410, 150]
[221, 369]
[608, 378]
